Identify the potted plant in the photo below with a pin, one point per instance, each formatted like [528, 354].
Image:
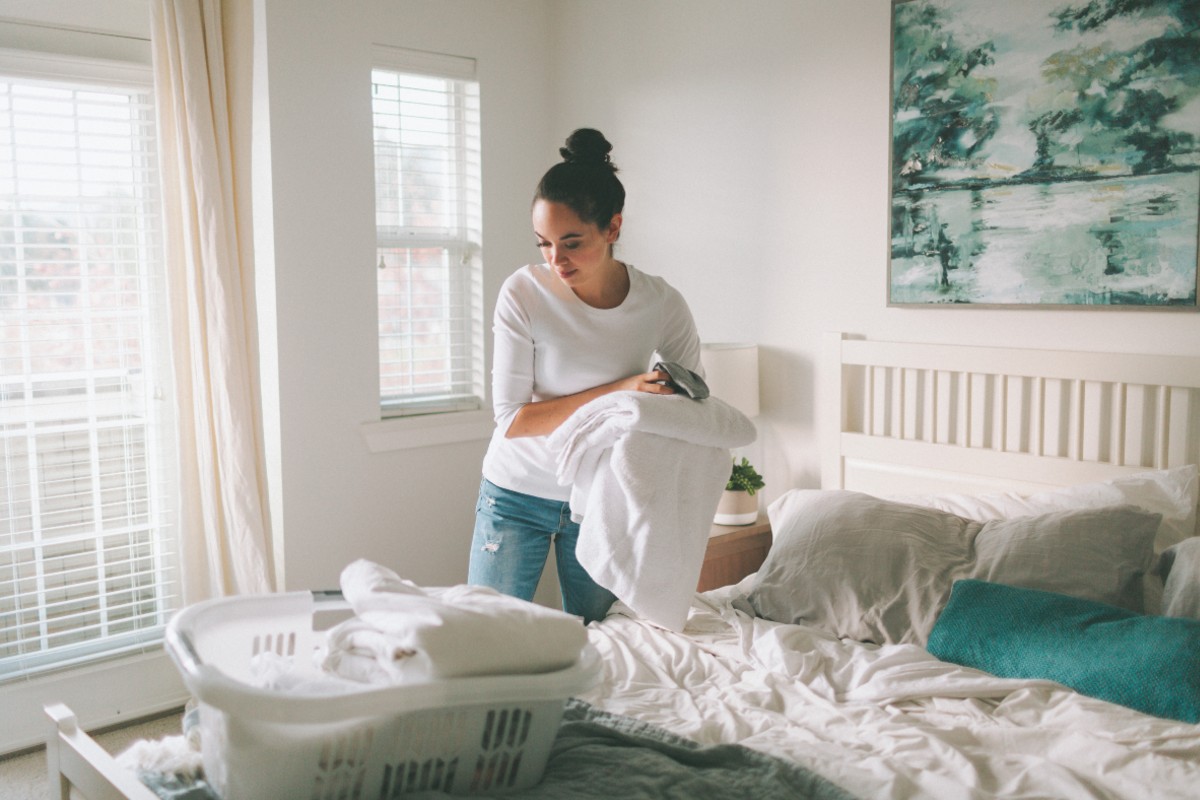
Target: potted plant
[738, 504]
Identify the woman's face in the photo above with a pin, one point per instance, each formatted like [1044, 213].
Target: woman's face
[578, 251]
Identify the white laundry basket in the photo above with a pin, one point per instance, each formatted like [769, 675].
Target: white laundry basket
[459, 735]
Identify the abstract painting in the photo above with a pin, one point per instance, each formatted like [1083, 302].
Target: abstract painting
[1045, 153]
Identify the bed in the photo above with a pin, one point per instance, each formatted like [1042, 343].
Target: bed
[1018, 448]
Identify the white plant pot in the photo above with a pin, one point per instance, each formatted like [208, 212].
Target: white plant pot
[736, 508]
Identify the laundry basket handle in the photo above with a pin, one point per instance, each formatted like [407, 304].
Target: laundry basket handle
[180, 645]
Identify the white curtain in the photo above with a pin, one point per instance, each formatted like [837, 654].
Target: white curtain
[225, 532]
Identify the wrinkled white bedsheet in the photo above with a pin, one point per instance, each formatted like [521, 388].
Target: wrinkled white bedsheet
[884, 722]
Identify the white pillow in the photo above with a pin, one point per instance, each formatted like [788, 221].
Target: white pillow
[878, 571]
[1174, 493]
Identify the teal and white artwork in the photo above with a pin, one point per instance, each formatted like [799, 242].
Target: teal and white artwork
[1045, 153]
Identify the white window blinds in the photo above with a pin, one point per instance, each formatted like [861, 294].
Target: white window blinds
[87, 533]
[427, 217]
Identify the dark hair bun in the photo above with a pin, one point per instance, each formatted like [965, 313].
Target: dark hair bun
[585, 180]
[587, 146]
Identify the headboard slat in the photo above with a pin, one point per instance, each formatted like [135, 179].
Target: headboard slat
[904, 412]
[1064, 364]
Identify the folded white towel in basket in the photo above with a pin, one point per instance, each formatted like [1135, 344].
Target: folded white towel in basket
[646, 473]
[402, 632]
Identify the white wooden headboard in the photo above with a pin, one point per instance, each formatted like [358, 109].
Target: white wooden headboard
[902, 418]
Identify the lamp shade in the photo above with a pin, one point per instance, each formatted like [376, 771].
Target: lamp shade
[731, 371]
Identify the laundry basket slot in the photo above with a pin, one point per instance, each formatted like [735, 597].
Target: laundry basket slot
[455, 750]
[281, 644]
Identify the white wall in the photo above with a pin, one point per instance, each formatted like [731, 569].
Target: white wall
[332, 499]
[122, 17]
[753, 138]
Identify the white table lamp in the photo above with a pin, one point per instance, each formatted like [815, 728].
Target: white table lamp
[731, 371]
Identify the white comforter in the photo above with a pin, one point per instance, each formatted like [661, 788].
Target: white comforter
[884, 722]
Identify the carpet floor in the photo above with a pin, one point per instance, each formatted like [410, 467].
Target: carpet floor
[23, 777]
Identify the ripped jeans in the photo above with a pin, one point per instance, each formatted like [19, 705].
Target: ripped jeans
[512, 538]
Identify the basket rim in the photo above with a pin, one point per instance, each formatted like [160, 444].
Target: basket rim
[215, 688]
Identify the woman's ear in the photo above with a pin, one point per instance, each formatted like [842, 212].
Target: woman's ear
[614, 229]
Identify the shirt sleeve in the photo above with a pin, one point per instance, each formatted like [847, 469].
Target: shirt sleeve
[512, 359]
[680, 340]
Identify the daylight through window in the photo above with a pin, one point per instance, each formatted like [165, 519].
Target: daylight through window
[87, 528]
[427, 217]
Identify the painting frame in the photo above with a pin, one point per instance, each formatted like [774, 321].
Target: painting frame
[1045, 154]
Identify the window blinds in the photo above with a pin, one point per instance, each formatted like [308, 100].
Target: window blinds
[87, 533]
[427, 190]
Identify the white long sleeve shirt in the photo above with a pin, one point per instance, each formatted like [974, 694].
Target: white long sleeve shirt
[549, 343]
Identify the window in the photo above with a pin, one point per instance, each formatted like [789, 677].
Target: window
[87, 528]
[427, 218]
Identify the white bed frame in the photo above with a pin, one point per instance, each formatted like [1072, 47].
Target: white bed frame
[74, 760]
[900, 418]
[913, 418]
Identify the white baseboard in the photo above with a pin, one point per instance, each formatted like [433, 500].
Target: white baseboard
[109, 693]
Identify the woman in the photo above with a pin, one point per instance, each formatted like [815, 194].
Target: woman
[567, 331]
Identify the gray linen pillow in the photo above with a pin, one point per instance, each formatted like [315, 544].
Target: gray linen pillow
[879, 571]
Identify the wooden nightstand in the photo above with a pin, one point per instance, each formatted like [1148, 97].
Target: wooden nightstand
[734, 551]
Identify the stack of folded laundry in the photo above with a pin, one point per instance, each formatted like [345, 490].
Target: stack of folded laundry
[401, 632]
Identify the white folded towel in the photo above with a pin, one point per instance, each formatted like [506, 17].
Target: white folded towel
[402, 632]
[646, 473]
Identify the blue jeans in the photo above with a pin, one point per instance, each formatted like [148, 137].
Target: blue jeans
[512, 538]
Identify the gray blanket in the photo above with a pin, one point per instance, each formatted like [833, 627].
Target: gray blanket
[606, 756]
[610, 757]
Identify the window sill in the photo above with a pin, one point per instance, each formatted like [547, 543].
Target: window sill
[429, 430]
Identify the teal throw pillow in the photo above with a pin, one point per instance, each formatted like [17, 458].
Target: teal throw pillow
[1148, 663]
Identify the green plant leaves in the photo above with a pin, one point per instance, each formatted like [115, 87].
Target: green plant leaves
[744, 478]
